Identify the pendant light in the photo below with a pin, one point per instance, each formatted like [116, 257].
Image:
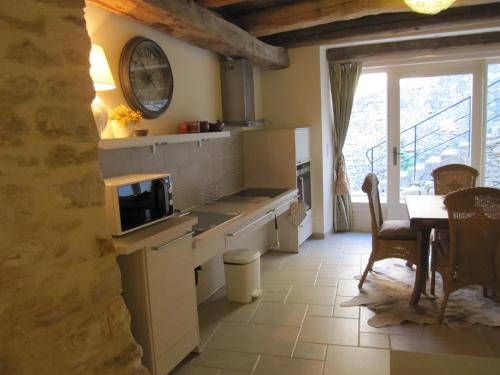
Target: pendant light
[429, 6]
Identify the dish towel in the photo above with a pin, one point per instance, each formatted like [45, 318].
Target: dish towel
[297, 212]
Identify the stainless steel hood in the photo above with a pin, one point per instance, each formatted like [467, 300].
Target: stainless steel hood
[238, 103]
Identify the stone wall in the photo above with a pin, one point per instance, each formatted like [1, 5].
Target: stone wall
[60, 306]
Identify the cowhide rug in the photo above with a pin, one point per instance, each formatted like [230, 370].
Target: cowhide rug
[387, 291]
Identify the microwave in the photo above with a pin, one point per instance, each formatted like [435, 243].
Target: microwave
[137, 200]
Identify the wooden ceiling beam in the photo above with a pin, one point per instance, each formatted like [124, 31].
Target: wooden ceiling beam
[305, 13]
[194, 24]
[392, 26]
[218, 3]
[422, 46]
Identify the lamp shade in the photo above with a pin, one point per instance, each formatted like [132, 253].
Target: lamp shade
[429, 6]
[99, 70]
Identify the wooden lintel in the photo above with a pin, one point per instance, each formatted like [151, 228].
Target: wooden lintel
[393, 26]
[422, 46]
[218, 3]
[305, 13]
[194, 24]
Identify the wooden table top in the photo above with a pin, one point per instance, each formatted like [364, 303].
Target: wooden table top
[427, 211]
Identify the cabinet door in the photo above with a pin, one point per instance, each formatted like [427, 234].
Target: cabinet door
[172, 296]
[302, 145]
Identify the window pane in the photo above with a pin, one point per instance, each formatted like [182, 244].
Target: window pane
[435, 115]
[365, 149]
[492, 167]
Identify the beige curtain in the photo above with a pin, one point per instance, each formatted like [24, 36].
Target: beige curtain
[343, 81]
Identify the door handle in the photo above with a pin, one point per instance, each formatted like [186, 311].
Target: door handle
[395, 155]
[162, 246]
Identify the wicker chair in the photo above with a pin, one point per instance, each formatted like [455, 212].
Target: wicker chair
[447, 179]
[390, 238]
[472, 256]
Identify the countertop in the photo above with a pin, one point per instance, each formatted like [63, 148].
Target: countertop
[154, 234]
[250, 210]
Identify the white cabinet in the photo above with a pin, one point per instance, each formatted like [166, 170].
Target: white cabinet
[302, 145]
[159, 290]
[271, 159]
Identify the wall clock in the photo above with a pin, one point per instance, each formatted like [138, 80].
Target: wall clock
[146, 77]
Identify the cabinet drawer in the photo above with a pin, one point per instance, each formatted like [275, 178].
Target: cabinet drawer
[172, 293]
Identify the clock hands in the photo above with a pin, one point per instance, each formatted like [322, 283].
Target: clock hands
[149, 76]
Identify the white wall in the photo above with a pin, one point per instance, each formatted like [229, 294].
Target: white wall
[292, 98]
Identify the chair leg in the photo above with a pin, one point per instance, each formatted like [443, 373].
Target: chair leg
[433, 277]
[443, 306]
[365, 273]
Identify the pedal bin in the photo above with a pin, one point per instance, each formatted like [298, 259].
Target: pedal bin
[242, 272]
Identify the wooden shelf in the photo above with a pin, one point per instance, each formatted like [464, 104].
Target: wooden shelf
[152, 140]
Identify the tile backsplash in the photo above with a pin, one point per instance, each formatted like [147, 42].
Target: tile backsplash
[197, 172]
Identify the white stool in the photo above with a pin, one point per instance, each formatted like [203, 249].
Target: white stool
[242, 272]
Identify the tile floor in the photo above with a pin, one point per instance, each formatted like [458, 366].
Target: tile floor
[298, 326]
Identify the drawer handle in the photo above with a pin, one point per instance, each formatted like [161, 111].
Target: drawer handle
[249, 225]
[166, 244]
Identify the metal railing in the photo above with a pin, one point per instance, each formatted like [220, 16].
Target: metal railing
[415, 142]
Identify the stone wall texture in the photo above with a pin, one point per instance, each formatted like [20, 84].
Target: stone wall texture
[60, 306]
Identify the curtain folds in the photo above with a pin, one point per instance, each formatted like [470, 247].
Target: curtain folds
[343, 81]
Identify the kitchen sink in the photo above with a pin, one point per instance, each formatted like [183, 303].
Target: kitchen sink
[209, 220]
[255, 193]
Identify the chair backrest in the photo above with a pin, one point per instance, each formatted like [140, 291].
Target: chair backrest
[370, 187]
[452, 177]
[474, 217]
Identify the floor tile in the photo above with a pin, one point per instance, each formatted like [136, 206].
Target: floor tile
[317, 295]
[351, 259]
[219, 308]
[234, 372]
[195, 370]
[332, 260]
[439, 345]
[279, 314]
[324, 330]
[326, 282]
[339, 311]
[345, 360]
[300, 277]
[311, 264]
[411, 363]
[320, 310]
[339, 271]
[275, 297]
[226, 360]
[374, 340]
[307, 350]
[254, 338]
[348, 288]
[276, 288]
[269, 365]
[325, 252]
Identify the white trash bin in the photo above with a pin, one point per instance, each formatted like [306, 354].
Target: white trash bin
[242, 272]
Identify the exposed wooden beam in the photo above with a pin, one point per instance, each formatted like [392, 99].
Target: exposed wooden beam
[392, 26]
[218, 3]
[190, 22]
[305, 13]
[422, 46]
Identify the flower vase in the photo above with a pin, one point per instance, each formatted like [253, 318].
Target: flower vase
[122, 130]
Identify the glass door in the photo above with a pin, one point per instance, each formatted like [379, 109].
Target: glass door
[432, 116]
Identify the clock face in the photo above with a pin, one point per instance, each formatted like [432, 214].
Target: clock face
[146, 77]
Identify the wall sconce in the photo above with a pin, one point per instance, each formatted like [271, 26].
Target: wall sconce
[103, 81]
[429, 6]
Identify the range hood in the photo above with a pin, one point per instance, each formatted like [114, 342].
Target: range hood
[238, 103]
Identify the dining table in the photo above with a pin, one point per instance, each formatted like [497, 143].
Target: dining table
[426, 212]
